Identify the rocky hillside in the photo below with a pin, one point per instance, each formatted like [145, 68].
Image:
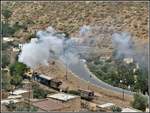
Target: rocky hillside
[109, 17]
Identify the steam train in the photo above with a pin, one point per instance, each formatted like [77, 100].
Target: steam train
[48, 81]
[56, 84]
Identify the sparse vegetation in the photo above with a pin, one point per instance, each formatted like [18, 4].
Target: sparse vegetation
[116, 109]
[38, 92]
[6, 13]
[140, 102]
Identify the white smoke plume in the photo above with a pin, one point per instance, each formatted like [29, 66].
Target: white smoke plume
[49, 44]
[123, 44]
[125, 47]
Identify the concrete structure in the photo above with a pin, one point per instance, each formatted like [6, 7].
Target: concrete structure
[47, 105]
[8, 39]
[130, 110]
[128, 60]
[74, 102]
[7, 101]
[105, 107]
[23, 92]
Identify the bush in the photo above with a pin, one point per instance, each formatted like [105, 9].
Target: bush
[38, 92]
[140, 102]
[17, 69]
[6, 13]
[7, 30]
[116, 109]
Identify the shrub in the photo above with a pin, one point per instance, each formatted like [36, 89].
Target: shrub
[116, 109]
[140, 102]
[38, 92]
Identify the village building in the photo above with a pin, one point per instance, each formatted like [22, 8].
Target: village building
[73, 101]
[26, 94]
[105, 107]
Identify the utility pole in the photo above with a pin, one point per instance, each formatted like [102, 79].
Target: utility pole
[66, 75]
[66, 72]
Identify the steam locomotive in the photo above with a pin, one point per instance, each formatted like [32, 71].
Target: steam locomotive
[56, 84]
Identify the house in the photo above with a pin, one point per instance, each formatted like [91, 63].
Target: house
[23, 92]
[47, 105]
[105, 107]
[73, 101]
[8, 39]
[128, 60]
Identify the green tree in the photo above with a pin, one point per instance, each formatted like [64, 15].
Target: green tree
[140, 102]
[17, 68]
[16, 80]
[142, 80]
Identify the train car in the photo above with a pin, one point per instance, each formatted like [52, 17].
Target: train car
[54, 83]
[46, 80]
[42, 79]
[86, 94]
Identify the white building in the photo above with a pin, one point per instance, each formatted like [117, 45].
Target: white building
[73, 101]
[7, 101]
[128, 60]
[8, 39]
[62, 96]
[105, 107]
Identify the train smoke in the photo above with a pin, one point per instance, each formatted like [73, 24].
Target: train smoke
[126, 48]
[50, 44]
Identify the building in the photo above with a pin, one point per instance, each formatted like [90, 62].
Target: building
[105, 107]
[47, 105]
[23, 92]
[130, 110]
[8, 39]
[73, 101]
[128, 60]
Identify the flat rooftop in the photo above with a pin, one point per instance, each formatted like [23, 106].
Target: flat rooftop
[106, 105]
[62, 96]
[19, 91]
[49, 105]
[130, 110]
[7, 101]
